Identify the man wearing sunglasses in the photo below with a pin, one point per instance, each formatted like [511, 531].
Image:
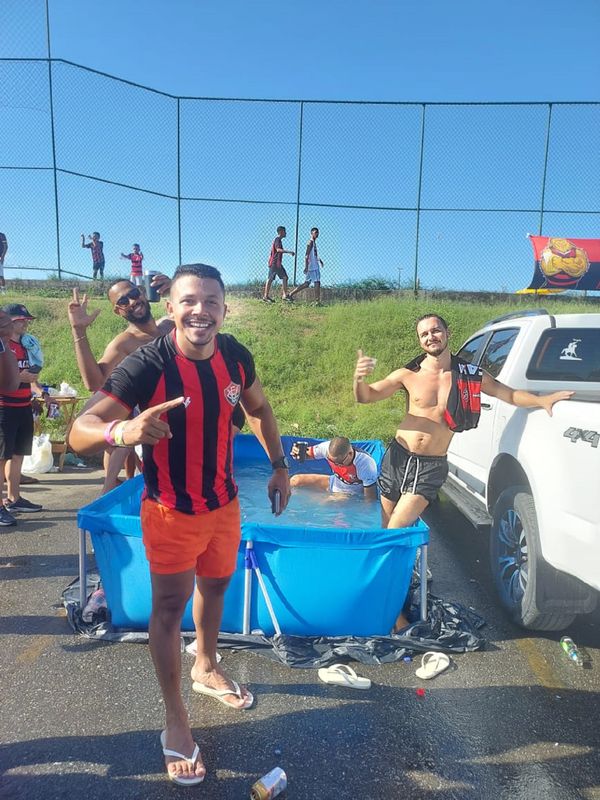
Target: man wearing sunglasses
[131, 304]
[354, 471]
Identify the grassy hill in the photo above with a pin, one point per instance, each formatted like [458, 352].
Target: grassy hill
[304, 355]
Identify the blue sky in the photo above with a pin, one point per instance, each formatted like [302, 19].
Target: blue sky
[344, 50]
[391, 51]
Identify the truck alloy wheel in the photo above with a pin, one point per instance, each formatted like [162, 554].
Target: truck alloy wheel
[519, 572]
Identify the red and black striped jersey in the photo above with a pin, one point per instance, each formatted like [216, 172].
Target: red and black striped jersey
[136, 263]
[22, 395]
[193, 471]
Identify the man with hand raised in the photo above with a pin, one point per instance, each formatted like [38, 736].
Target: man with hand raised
[187, 385]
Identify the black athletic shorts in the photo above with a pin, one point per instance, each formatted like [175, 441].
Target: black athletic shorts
[16, 431]
[277, 271]
[403, 471]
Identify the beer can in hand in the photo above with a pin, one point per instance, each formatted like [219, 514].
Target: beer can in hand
[270, 785]
[151, 292]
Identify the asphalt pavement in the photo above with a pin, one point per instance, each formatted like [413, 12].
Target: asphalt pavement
[82, 718]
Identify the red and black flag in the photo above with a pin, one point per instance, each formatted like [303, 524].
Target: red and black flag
[565, 264]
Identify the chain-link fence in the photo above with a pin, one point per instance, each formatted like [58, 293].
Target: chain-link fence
[436, 196]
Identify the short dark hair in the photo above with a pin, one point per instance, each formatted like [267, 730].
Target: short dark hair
[95, 233]
[135, 244]
[339, 446]
[280, 228]
[314, 229]
[199, 271]
[114, 283]
[442, 321]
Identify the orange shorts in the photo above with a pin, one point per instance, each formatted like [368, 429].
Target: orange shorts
[177, 542]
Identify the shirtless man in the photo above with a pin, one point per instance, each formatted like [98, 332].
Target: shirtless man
[415, 465]
[130, 303]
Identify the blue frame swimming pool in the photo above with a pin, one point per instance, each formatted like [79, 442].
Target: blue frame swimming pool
[320, 581]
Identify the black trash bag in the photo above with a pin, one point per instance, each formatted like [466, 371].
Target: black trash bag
[450, 627]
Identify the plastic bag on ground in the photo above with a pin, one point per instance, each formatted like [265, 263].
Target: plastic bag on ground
[41, 458]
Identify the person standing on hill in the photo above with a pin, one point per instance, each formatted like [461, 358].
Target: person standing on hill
[187, 385]
[137, 272]
[276, 268]
[97, 248]
[312, 268]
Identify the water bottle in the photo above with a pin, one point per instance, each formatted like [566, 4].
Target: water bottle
[95, 603]
[572, 651]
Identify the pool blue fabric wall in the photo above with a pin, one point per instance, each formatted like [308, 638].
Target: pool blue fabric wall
[321, 581]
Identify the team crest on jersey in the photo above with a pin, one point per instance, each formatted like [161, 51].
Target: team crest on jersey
[232, 393]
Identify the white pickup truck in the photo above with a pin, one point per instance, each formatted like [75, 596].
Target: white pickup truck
[530, 479]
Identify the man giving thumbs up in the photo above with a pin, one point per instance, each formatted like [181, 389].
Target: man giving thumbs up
[187, 385]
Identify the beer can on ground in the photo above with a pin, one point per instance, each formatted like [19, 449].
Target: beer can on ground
[270, 785]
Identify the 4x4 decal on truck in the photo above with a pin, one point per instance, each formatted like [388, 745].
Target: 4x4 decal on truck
[576, 434]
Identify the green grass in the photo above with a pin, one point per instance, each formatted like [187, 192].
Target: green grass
[304, 355]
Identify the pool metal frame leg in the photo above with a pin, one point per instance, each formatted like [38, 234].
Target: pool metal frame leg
[82, 569]
[247, 588]
[250, 564]
[423, 584]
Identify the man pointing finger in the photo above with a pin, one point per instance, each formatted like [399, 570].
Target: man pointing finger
[187, 385]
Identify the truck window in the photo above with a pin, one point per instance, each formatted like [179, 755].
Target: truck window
[567, 354]
[497, 350]
[470, 350]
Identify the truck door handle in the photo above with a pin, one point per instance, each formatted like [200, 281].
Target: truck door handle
[486, 405]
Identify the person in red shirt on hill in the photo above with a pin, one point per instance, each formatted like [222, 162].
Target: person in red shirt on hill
[97, 248]
[276, 268]
[136, 258]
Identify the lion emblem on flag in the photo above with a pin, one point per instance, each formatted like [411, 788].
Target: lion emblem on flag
[563, 264]
[232, 393]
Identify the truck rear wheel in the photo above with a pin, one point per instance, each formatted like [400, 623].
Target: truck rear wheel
[517, 566]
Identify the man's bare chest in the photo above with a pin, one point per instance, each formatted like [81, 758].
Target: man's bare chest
[429, 391]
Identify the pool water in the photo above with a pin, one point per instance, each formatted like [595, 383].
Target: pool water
[307, 507]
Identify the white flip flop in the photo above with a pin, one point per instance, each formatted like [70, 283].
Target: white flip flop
[221, 694]
[343, 675]
[432, 664]
[182, 780]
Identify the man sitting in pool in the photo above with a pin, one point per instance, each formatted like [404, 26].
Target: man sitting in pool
[354, 471]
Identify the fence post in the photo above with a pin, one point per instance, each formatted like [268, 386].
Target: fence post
[51, 98]
[416, 275]
[543, 198]
[298, 189]
[179, 179]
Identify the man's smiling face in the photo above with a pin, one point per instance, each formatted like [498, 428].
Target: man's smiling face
[130, 302]
[433, 336]
[198, 309]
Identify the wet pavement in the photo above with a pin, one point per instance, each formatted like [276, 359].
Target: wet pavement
[82, 718]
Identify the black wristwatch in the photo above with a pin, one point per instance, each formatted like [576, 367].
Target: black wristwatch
[280, 463]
